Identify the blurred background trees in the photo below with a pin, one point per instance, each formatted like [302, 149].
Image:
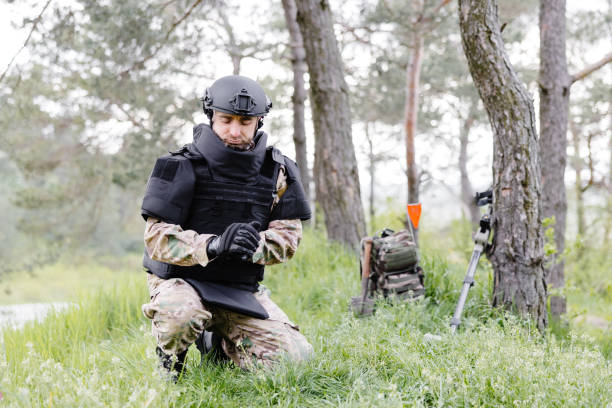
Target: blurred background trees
[102, 88]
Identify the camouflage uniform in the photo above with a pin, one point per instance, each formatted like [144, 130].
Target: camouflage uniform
[179, 316]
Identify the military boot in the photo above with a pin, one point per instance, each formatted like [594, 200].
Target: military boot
[210, 342]
[174, 368]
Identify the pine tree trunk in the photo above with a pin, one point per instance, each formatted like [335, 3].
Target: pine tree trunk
[413, 75]
[555, 84]
[517, 255]
[298, 65]
[335, 170]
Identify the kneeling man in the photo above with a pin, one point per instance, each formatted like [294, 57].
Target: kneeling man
[218, 210]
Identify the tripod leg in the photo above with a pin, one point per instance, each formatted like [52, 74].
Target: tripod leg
[481, 238]
[467, 283]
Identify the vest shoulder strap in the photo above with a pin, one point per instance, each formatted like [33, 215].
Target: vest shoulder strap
[277, 156]
[271, 167]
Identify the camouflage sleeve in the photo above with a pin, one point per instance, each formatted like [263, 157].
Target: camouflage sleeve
[170, 244]
[281, 185]
[279, 242]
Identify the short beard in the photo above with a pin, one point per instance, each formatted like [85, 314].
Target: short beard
[241, 148]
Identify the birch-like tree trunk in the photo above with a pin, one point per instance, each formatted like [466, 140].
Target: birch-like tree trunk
[517, 255]
[413, 74]
[298, 99]
[420, 27]
[335, 168]
[554, 81]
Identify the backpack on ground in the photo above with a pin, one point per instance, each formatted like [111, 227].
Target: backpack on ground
[389, 266]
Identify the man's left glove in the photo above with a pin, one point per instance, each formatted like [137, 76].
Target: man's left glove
[239, 240]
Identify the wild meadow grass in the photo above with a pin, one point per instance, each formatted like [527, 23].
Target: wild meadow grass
[67, 279]
[99, 353]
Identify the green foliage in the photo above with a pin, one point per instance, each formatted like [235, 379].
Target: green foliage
[460, 234]
[91, 111]
[109, 87]
[550, 247]
[588, 271]
[589, 290]
[390, 215]
[588, 268]
[100, 353]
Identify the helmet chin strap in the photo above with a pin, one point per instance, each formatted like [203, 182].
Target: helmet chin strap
[259, 125]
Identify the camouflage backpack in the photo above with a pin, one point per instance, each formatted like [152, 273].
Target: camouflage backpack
[393, 260]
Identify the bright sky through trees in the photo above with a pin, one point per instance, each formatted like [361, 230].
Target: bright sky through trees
[390, 172]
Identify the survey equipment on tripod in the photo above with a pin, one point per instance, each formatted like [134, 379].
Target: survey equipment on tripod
[481, 243]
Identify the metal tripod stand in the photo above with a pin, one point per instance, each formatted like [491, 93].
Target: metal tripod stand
[481, 242]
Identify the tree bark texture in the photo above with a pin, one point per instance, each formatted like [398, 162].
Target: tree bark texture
[555, 85]
[298, 65]
[335, 168]
[467, 192]
[517, 255]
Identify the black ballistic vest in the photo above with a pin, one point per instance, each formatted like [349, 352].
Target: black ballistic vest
[230, 186]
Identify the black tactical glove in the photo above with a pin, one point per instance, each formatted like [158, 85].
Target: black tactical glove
[239, 240]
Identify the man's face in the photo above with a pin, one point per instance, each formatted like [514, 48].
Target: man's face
[236, 131]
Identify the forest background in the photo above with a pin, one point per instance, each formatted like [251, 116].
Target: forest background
[84, 117]
[98, 90]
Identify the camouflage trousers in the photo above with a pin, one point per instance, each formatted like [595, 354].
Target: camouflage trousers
[179, 317]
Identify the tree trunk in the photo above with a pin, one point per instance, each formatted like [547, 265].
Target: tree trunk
[372, 170]
[236, 60]
[580, 205]
[232, 47]
[298, 65]
[577, 164]
[413, 75]
[554, 83]
[517, 255]
[411, 112]
[335, 170]
[467, 192]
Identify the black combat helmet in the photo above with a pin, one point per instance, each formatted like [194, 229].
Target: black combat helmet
[236, 95]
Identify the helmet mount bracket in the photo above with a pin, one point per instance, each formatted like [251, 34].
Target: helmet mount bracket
[242, 102]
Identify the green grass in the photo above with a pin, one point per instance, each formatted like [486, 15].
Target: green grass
[67, 279]
[589, 291]
[100, 353]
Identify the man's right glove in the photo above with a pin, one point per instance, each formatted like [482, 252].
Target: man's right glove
[239, 240]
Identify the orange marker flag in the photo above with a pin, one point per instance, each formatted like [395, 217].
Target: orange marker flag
[414, 212]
